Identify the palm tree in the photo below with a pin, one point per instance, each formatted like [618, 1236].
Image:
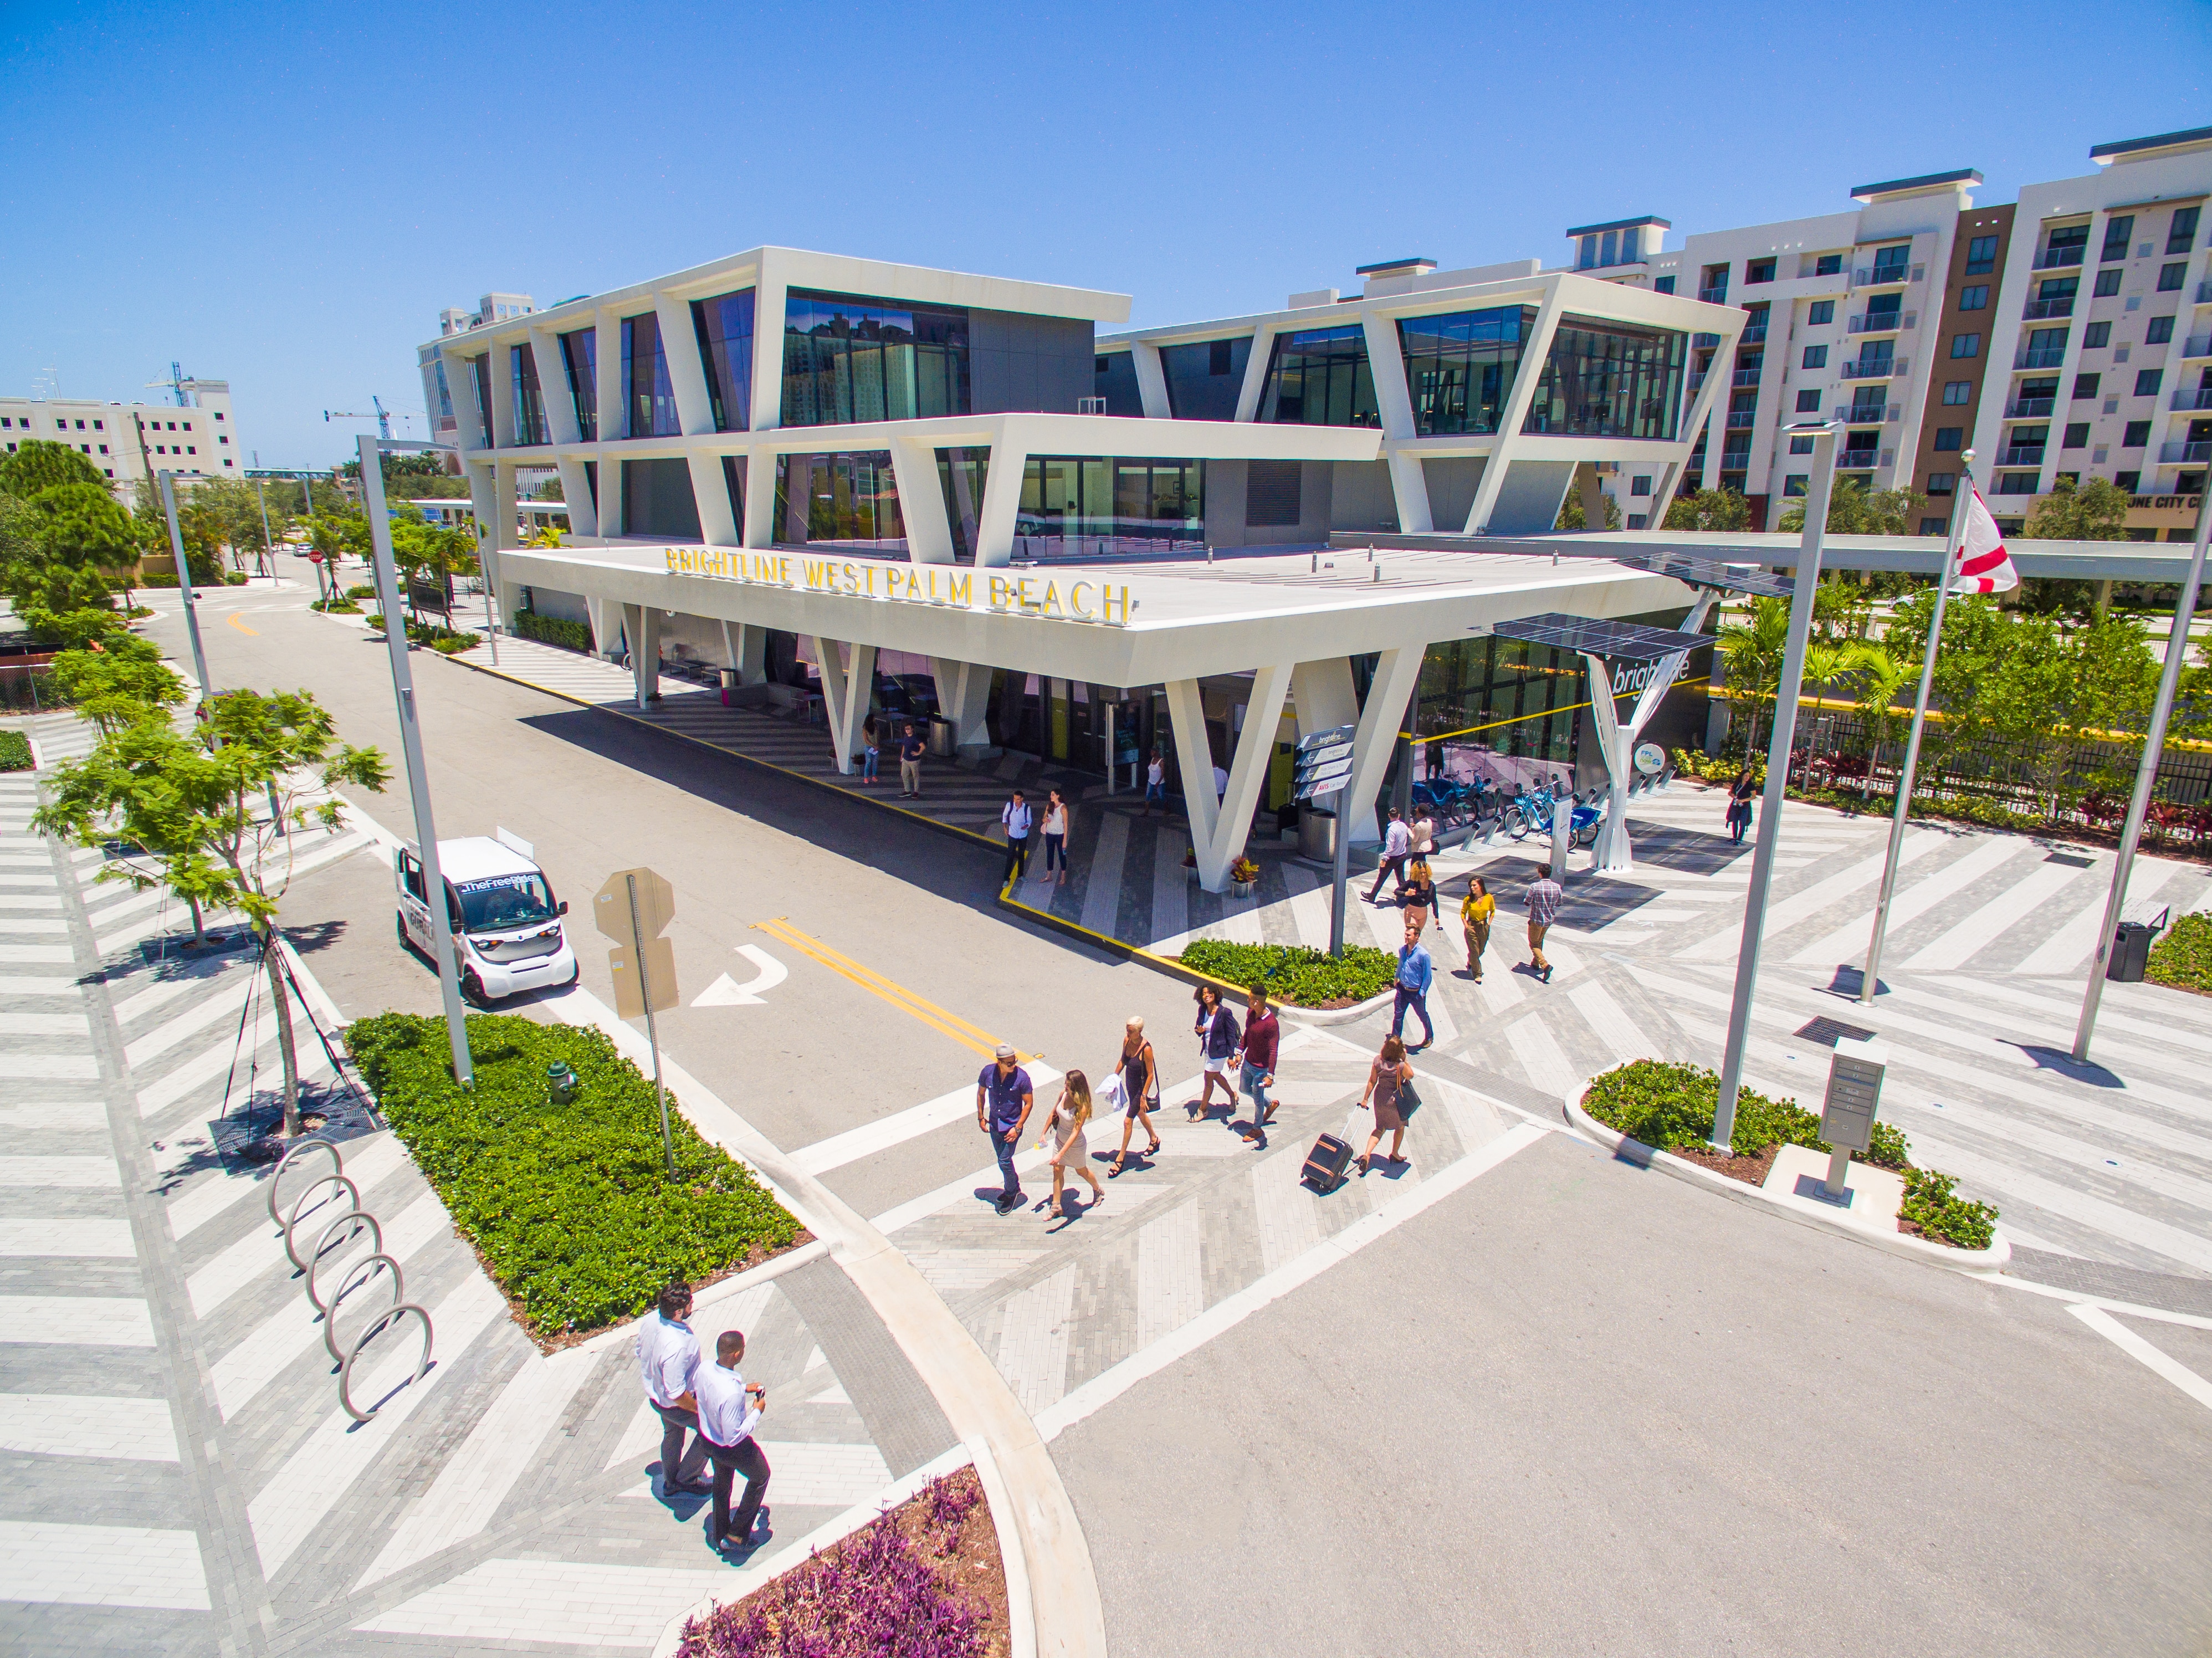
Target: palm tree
[1828, 660]
[1754, 655]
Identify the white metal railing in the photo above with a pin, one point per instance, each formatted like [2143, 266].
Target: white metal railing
[2197, 345]
[1865, 414]
[2193, 399]
[2184, 453]
[1875, 369]
[2057, 259]
[2043, 310]
[1883, 322]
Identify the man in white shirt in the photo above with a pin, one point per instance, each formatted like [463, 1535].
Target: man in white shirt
[729, 1410]
[668, 1358]
[1397, 842]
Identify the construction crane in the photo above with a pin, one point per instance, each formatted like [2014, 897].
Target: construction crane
[179, 383]
[383, 420]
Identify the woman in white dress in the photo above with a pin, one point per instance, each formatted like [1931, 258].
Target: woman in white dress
[1071, 1116]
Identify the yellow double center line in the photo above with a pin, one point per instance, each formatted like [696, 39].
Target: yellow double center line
[968, 1035]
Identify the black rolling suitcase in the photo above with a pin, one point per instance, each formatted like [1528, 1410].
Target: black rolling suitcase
[1331, 1156]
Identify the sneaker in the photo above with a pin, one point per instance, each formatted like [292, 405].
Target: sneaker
[1006, 1206]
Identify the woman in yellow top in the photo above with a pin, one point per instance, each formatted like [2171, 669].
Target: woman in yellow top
[1476, 912]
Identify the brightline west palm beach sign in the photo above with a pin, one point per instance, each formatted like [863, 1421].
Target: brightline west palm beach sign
[941, 585]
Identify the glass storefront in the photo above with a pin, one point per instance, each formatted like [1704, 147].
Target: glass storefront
[847, 359]
[847, 501]
[1527, 694]
[1609, 379]
[1114, 377]
[529, 398]
[579, 355]
[1321, 377]
[650, 399]
[1460, 367]
[1204, 379]
[725, 327]
[1077, 506]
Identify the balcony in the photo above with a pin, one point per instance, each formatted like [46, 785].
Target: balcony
[1697, 378]
[2025, 455]
[2204, 292]
[1867, 414]
[2183, 454]
[1740, 419]
[2197, 345]
[2043, 310]
[2193, 399]
[2040, 356]
[1856, 460]
[1745, 377]
[1754, 335]
[2030, 408]
[2057, 259]
[1714, 296]
[1885, 276]
[1883, 322]
[1875, 369]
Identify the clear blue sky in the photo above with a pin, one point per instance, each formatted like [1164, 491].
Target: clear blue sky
[285, 197]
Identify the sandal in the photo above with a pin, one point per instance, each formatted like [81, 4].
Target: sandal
[1153, 1149]
[1115, 1172]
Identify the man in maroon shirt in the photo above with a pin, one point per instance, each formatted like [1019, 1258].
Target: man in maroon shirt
[1261, 1035]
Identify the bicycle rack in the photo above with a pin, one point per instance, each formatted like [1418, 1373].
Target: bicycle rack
[358, 1274]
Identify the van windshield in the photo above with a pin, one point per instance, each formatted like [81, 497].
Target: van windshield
[501, 901]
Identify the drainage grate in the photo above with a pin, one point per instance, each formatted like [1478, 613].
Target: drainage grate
[2075, 860]
[1826, 1031]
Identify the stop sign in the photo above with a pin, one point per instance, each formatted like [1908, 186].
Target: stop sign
[315, 558]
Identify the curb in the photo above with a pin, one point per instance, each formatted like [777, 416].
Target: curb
[1021, 1605]
[1991, 1259]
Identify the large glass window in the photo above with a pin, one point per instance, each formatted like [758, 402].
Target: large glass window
[1609, 379]
[651, 399]
[848, 360]
[529, 399]
[843, 500]
[1204, 379]
[962, 474]
[579, 355]
[725, 327]
[480, 383]
[1459, 366]
[1321, 377]
[1114, 379]
[1070, 504]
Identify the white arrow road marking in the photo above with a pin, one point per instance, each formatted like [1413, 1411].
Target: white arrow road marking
[725, 992]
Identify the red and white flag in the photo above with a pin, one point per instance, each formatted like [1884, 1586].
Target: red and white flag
[1984, 566]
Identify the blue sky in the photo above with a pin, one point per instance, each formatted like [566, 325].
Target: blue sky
[285, 197]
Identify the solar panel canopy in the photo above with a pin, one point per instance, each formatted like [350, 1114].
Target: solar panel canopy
[1617, 641]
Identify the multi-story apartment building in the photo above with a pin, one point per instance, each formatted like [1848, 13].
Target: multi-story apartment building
[1927, 326]
[437, 396]
[130, 440]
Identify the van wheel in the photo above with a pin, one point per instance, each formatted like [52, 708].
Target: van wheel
[472, 990]
[405, 942]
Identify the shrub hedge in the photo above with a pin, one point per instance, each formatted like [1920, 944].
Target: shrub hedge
[1292, 973]
[569, 1206]
[1672, 1106]
[554, 630]
[15, 752]
[2183, 958]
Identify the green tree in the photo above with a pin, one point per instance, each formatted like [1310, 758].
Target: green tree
[1709, 509]
[38, 466]
[117, 682]
[1853, 510]
[194, 804]
[2095, 511]
[1571, 516]
[1754, 651]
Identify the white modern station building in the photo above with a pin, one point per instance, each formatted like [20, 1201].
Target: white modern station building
[795, 465]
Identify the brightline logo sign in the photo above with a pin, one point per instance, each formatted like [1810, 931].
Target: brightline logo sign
[945, 587]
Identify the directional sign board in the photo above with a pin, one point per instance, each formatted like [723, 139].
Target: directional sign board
[1325, 739]
[1328, 779]
[1847, 1116]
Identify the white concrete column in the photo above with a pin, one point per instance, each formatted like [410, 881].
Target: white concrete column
[964, 696]
[1324, 696]
[1151, 380]
[612, 509]
[847, 689]
[607, 619]
[745, 650]
[1387, 363]
[718, 518]
[687, 375]
[1255, 372]
[576, 490]
[1396, 674]
[1193, 758]
[921, 501]
[641, 623]
[461, 391]
[1248, 775]
[760, 499]
[613, 396]
[553, 387]
[1002, 499]
[1516, 412]
[1409, 484]
[768, 293]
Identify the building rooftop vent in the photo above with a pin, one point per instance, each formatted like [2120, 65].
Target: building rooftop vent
[1964, 175]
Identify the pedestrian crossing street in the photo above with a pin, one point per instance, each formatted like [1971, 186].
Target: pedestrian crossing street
[170, 1428]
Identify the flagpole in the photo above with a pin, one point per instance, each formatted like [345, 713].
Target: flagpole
[1960, 507]
[2177, 647]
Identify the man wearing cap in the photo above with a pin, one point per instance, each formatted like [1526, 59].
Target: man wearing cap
[1003, 1099]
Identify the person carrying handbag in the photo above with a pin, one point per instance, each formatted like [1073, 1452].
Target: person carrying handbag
[1390, 1095]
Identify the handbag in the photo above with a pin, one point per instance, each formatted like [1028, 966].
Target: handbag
[1409, 1100]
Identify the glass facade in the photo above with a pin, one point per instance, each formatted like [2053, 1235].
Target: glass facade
[1321, 377]
[650, 400]
[1114, 377]
[579, 355]
[847, 359]
[480, 385]
[657, 500]
[843, 500]
[529, 399]
[725, 327]
[1204, 379]
[1527, 695]
[1460, 367]
[1609, 379]
[1069, 503]
[962, 474]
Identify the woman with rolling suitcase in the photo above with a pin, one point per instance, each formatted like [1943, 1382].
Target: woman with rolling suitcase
[1390, 1094]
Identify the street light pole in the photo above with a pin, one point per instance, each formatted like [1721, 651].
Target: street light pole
[1820, 484]
[261, 494]
[184, 583]
[411, 745]
[2177, 647]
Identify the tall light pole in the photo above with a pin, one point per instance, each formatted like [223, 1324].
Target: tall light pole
[184, 583]
[262, 495]
[411, 745]
[2177, 647]
[1819, 484]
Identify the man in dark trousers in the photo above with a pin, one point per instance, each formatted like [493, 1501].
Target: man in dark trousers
[668, 1358]
[911, 748]
[1015, 818]
[1262, 1041]
[1003, 1100]
[729, 1410]
[1397, 844]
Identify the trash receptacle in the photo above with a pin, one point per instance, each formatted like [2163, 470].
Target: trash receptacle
[2131, 942]
[1317, 833]
[940, 737]
[729, 685]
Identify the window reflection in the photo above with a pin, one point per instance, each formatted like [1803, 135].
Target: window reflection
[1204, 379]
[529, 399]
[579, 355]
[725, 327]
[480, 383]
[1076, 506]
[844, 500]
[847, 359]
[1321, 377]
[651, 399]
[1459, 366]
[1609, 379]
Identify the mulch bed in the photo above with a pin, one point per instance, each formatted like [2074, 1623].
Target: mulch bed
[1752, 1168]
[924, 1581]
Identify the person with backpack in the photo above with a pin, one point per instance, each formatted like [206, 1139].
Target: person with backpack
[1217, 1040]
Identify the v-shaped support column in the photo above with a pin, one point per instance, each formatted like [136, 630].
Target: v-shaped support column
[1617, 742]
[846, 690]
[1218, 829]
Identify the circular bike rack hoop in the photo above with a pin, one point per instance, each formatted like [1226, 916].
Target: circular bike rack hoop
[338, 1167]
[355, 1218]
[292, 1223]
[345, 1371]
[349, 1283]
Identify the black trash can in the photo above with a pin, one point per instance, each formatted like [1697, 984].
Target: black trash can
[2131, 942]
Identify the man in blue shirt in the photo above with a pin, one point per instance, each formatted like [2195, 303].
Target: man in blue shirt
[1003, 1100]
[1414, 972]
[1014, 817]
